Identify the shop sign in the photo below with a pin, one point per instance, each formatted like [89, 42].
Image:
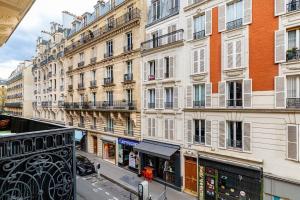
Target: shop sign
[127, 142]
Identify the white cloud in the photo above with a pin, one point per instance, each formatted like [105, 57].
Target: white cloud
[7, 67]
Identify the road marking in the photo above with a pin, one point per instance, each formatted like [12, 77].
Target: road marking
[93, 184]
[100, 189]
[107, 193]
[115, 198]
[95, 190]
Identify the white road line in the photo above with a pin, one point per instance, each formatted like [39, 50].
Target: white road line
[93, 184]
[107, 193]
[100, 189]
[115, 198]
[95, 190]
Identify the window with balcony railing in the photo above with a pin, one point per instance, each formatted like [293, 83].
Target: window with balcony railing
[234, 15]
[293, 5]
[160, 9]
[199, 27]
[293, 39]
[235, 94]
[293, 91]
[199, 96]
[235, 135]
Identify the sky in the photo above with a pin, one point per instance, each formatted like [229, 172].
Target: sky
[21, 45]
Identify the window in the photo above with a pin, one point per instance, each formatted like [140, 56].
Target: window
[110, 22]
[81, 120]
[129, 66]
[94, 98]
[199, 131]
[81, 57]
[293, 91]
[235, 11]
[84, 20]
[81, 99]
[167, 67]
[293, 39]
[94, 75]
[235, 93]
[129, 41]
[109, 48]
[129, 126]
[199, 27]
[155, 10]
[109, 72]
[151, 101]
[234, 136]
[152, 70]
[169, 129]
[151, 127]
[155, 39]
[110, 124]
[234, 54]
[94, 122]
[93, 52]
[169, 98]
[109, 97]
[129, 95]
[199, 95]
[81, 78]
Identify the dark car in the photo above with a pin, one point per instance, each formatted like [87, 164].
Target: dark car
[84, 166]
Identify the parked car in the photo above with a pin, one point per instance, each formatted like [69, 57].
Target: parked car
[84, 166]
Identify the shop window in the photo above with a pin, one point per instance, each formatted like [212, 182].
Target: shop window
[234, 136]
[199, 131]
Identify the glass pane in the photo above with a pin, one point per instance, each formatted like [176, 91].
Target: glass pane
[239, 135]
[291, 87]
[291, 39]
[239, 10]
[203, 131]
[230, 133]
[230, 12]
[196, 89]
[239, 90]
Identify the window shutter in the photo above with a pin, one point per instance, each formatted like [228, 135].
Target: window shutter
[196, 61]
[175, 97]
[247, 90]
[161, 98]
[149, 126]
[279, 92]
[145, 99]
[247, 137]
[157, 98]
[208, 133]
[190, 2]
[148, 44]
[280, 54]
[292, 142]
[222, 94]
[280, 7]
[171, 129]
[238, 54]
[145, 72]
[189, 28]
[160, 73]
[189, 131]
[247, 12]
[160, 33]
[189, 96]
[170, 36]
[172, 66]
[166, 129]
[153, 126]
[222, 135]
[208, 90]
[222, 18]
[229, 55]
[202, 60]
[208, 22]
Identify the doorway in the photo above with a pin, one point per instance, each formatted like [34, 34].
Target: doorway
[95, 143]
[191, 175]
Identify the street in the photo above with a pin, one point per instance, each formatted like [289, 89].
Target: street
[92, 188]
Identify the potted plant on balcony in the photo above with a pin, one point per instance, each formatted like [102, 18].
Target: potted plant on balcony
[291, 53]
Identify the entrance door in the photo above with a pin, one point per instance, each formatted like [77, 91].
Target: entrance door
[95, 145]
[191, 175]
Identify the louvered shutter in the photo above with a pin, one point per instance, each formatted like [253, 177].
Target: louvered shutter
[172, 66]
[171, 129]
[292, 142]
[222, 18]
[145, 72]
[222, 135]
[280, 54]
[247, 137]
[166, 129]
[189, 131]
[169, 36]
[247, 93]
[195, 61]
[148, 44]
[208, 133]
[229, 63]
[189, 96]
[208, 90]
[157, 98]
[189, 28]
[154, 126]
[145, 99]
[280, 7]
[279, 92]
[222, 94]
[202, 60]
[160, 74]
[247, 12]
[161, 98]
[175, 97]
[149, 127]
[238, 53]
[160, 40]
[208, 22]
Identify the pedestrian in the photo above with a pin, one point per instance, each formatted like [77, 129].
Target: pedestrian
[98, 166]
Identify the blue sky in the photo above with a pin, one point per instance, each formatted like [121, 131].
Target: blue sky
[21, 45]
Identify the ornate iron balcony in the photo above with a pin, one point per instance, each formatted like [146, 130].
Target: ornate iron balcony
[293, 102]
[293, 6]
[14, 105]
[234, 24]
[93, 83]
[128, 77]
[128, 48]
[108, 81]
[101, 105]
[80, 86]
[199, 35]
[93, 60]
[293, 54]
[81, 64]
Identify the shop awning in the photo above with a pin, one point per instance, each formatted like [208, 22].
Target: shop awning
[157, 149]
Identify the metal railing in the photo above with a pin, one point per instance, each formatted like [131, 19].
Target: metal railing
[293, 102]
[162, 15]
[199, 103]
[81, 125]
[81, 64]
[163, 40]
[70, 87]
[151, 105]
[292, 55]
[93, 83]
[199, 34]
[60, 104]
[108, 81]
[80, 86]
[109, 129]
[128, 77]
[108, 54]
[93, 60]
[292, 6]
[235, 103]
[234, 24]
[14, 105]
[168, 105]
[102, 105]
[237, 144]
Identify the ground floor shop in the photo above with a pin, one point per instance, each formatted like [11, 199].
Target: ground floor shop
[109, 151]
[218, 180]
[127, 156]
[161, 162]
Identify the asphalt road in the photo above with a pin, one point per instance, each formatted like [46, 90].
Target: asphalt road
[92, 188]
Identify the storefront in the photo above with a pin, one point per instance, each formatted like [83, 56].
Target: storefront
[127, 156]
[223, 181]
[109, 149]
[164, 161]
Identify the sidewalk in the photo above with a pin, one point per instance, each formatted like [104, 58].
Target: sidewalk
[130, 180]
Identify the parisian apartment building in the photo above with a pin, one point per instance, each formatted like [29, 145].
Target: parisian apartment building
[3, 91]
[19, 88]
[206, 93]
[49, 76]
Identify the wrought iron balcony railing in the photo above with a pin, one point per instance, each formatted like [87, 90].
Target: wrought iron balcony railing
[199, 35]
[70, 87]
[14, 105]
[293, 102]
[235, 103]
[93, 60]
[108, 81]
[128, 77]
[81, 64]
[60, 104]
[93, 83]
[234, 24]
[169, 105]
[198, 103]
[108, 54]
[80, 86]
[102, 105]
[293, 54]
[163, 40]
[128, 48]
[293, 6]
